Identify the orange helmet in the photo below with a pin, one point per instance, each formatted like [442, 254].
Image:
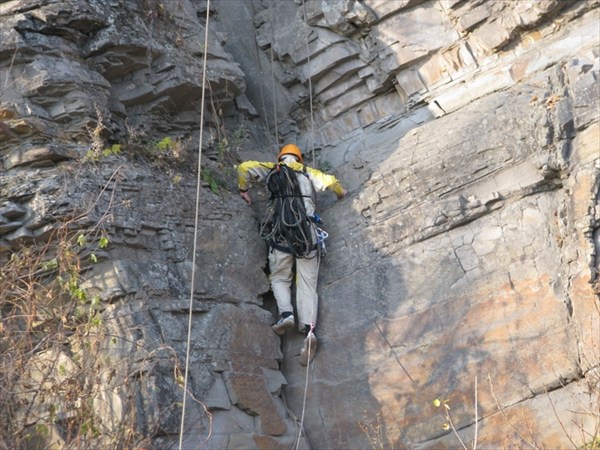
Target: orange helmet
[291, 149]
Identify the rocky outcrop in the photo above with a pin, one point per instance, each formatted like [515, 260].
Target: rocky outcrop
[72, 67]
[462, 268]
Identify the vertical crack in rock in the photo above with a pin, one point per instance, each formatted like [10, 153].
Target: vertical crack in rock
[595, 237]
[395, 355]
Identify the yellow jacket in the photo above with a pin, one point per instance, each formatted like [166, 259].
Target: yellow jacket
[258, 171]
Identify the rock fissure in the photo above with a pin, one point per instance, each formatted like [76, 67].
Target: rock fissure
[396, 356]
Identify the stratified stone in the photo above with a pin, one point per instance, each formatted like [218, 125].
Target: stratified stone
[464, 255]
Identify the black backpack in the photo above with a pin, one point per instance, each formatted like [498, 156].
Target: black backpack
[286, 226]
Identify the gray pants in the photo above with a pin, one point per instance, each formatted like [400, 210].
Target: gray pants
[307, 273]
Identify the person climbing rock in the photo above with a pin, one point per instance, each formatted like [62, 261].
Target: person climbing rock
[291, 227]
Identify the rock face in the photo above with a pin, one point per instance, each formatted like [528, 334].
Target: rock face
[459, 295]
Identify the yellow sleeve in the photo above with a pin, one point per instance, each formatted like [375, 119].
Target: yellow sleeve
[252, 171]
[322, 181]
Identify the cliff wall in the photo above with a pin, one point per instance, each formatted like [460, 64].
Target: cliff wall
[459, 295]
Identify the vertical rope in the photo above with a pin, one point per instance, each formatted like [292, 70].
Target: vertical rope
[301, 427]
[196, 221]
[310, 97]
[260, 86]
[312, 327]
[275, 119]
[312, 147]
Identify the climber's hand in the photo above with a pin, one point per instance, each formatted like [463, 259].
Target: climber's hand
[342, 194]
[246, 196]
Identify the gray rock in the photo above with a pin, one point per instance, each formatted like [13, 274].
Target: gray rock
[12, 210]
[466, 134]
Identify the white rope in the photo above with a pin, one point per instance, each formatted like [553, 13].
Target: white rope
[310, 97]
[312, 326]
[312, 145]
[262, 95]
[196, 221]
[301, 426]
[273, 76]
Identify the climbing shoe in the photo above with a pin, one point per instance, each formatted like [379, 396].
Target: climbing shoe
[308, 351]
[284, 324]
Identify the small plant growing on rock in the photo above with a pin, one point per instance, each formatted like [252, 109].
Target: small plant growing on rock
[93, 155]
[222, 157]
[168, 154]
[444, 406]
[166, 151]
[96, 140]
[372, 427]
[448, 424]
[212, 181]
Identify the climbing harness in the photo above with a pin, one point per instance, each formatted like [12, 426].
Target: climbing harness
[322, 235]
[195, 245]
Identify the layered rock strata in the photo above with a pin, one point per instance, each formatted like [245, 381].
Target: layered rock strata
[462, 267]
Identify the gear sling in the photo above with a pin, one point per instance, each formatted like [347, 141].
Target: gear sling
[286, 224]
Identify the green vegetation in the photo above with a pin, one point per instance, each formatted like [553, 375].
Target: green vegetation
[213, 181]
[115, 149]
[219, 170]
[168, 154]
[55, 358]
[172, 155]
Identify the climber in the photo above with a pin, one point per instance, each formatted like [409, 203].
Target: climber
[290, 227]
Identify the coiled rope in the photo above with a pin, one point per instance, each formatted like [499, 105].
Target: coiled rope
[196, 222]
[286, 222]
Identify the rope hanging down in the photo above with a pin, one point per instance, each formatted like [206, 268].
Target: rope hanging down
[196, 221]
[312, 325]
[273, 76]
[260, 85]
[310, 97]
[301, 427]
